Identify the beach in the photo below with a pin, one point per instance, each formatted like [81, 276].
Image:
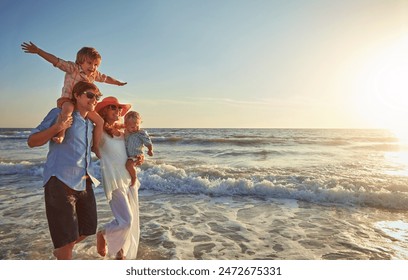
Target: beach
[235, 194]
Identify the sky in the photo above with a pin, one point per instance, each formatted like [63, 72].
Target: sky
[217, 63]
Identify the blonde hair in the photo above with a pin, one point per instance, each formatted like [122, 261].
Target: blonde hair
[87, 52]
[132, 115]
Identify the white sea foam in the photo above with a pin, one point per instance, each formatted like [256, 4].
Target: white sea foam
[313, 187]
[21, 167]
[170, 179]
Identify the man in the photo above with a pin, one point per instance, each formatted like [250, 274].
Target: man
[68, 174]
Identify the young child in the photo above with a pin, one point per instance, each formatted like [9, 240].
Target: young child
[135, 138]
[85, 68]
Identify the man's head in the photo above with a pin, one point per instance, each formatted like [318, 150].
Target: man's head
[85, 96]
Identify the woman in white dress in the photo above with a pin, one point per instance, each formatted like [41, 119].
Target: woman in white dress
[119, 237]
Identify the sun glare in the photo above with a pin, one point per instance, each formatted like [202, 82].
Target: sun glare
[383, 90]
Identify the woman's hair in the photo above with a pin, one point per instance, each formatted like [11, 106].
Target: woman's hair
[132, 115]
[106, 127]
[87, 52]
[81, 87]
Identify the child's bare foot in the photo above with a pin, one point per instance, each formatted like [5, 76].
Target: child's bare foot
[96, 151]
[120, 256]
[132, 181]
[57, 139]
[100, 244]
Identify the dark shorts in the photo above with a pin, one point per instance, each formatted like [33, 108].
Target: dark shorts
[70, 213]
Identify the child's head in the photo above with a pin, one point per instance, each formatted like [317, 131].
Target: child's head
[132, 121]
[87, 52]
[89, 59]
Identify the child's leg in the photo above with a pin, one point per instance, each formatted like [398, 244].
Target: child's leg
[98, 130]
[66, 111]
[130, 167]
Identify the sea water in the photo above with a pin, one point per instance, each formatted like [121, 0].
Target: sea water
[236, 194]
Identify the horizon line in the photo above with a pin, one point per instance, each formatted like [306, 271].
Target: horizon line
[339, 128]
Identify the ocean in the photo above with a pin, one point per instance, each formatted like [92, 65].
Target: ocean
[235, 194]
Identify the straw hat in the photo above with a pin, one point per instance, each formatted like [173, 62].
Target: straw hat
[110, 100]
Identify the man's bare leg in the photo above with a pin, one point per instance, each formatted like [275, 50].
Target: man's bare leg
[64, 252]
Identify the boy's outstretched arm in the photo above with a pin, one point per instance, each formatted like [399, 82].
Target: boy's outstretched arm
[113, 81]
[32, 48]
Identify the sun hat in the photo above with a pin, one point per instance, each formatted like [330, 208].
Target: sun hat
[110, 100]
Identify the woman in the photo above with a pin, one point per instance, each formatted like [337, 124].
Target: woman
[119, 237]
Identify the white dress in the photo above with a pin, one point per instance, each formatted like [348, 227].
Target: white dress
[123, 231]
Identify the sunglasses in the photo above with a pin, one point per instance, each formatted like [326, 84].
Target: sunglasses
[115, 107]
[91, 95]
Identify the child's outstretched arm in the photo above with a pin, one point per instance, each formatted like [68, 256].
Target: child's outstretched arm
[113, 81]
[32, 48]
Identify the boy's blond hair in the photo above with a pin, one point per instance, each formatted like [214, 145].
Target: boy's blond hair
[132, 115]
[87, 52]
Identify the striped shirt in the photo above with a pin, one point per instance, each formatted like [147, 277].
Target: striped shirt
[134, 143]
[75, 74]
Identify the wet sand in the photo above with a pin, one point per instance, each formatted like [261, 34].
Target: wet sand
[201, 227]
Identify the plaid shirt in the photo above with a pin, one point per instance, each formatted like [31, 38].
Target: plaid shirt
[74, 74]
[134, 142]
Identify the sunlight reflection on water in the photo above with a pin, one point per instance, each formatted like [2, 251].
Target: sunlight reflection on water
[397, 230]
[398, 161]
